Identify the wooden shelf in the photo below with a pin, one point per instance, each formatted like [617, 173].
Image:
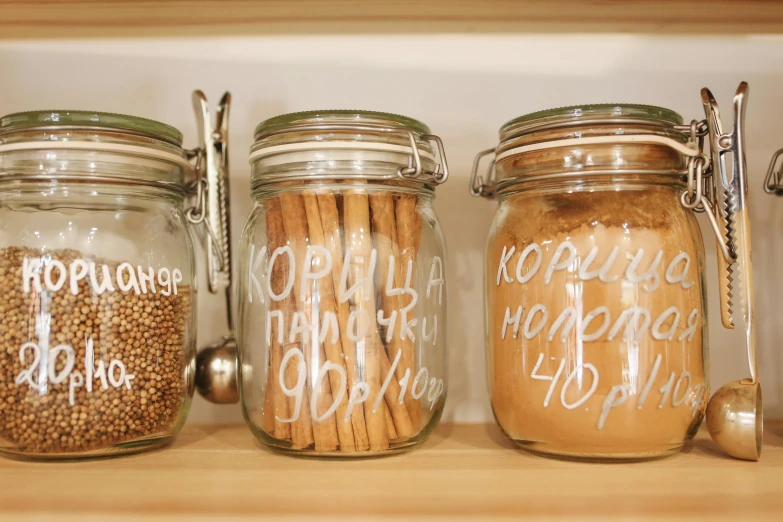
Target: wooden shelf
[463, 471]
[25, 19]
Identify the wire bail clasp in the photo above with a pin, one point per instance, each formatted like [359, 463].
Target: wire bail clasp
[479, 187]
[210, 188]
[415, 167]
[773, 183]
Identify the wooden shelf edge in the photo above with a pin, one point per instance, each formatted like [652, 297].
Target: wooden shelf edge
[36, 19]
[463, 472]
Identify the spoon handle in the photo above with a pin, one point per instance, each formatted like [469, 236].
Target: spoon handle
[731, 190]
[739, 190]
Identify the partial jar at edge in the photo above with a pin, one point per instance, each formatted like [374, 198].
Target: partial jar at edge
[97, 321]
[595, 303]
[342, 286]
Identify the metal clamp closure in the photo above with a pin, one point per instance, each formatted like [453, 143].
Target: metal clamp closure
[701, 193]
[730, 193]
[210, 189]
[414, 170]
[479, 187]
[773, 183]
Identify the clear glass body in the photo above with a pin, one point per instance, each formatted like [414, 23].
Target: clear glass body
[596, 319]
[97, 336]
[342, 318]
[596, 307]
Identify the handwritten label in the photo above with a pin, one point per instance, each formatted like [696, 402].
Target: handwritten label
[572, 381]
[298, 329]
[47, 275]
[42, 370]
[53, 275]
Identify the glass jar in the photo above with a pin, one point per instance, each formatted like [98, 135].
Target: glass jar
[97, 271]
[595, 300]
[342, 297]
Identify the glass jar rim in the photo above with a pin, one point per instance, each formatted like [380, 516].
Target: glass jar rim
[293, 120]
[81, 119]
[584, 114]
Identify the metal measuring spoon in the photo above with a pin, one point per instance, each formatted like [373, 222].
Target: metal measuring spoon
[216, 372]
[735, 419]
[216, 364]
[734, 413]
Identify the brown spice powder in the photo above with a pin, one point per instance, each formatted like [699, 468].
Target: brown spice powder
[529, 374]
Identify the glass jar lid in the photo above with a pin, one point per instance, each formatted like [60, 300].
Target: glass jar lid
[589, 120]
[287, 122]
[586, 114]
[85, 120]
[581, 140]
[65, 144]
[346, 144]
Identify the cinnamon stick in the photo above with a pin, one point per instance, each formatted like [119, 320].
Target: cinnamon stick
[332, 345]
[298, 220]
[385, 214]
[296, 229]
[402, 419]
[389, 423]
[301, 431]
[385, 236]
[281, 430]
[330, 222]
[269, 403]
[275, 405]
[358, 239]
[408, 222]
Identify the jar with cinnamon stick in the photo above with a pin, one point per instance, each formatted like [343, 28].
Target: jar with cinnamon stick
[342, 297]
[595, 303]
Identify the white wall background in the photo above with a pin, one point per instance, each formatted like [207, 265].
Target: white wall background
[464, 87]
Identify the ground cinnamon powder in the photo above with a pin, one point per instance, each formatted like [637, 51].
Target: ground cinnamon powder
[605, 356]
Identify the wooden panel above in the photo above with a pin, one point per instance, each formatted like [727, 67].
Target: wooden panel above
[464, 472]
[25, 19]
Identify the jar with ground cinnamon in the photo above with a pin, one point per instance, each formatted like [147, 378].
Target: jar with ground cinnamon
[97, 282]
[342, 296]
[595, 304]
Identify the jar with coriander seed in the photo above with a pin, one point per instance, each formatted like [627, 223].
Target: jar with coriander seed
[97, 274]
[342, 298]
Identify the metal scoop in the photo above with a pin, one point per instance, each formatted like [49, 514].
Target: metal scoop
[216, 372]
[216, 364]
[734, 413]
